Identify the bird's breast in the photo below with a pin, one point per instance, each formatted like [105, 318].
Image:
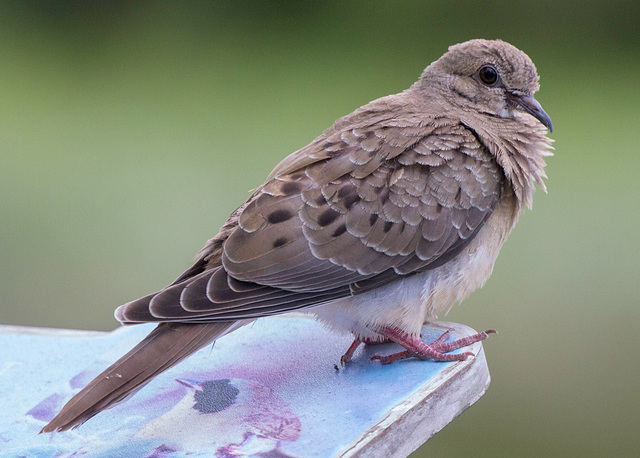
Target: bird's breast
[454, 281]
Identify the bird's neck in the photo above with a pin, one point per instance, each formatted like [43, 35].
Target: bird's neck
[519, 145]
[519, 142]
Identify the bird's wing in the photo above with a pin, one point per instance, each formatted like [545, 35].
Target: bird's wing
[362, 205]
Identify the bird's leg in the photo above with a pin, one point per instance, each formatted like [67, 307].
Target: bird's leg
[436, 350]
[350, 351]
[354, 346]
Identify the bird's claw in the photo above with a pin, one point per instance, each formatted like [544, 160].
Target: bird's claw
[438, 350]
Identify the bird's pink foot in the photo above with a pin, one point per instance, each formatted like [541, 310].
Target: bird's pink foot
[354, 346]
[350, 351]
[436, 350]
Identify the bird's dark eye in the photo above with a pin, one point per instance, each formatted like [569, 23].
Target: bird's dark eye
[488, 75]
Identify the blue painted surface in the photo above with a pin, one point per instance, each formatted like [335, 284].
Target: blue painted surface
[270, 386]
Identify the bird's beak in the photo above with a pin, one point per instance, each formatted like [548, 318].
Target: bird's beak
[531, 106]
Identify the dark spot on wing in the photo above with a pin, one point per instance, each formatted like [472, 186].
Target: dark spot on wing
[279, 216]
[345, 191]
[279, 242]
[352, 199]
[327, 217]
[340, 230]
[290, 187]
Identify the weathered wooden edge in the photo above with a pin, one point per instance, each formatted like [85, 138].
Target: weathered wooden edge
[429, 409]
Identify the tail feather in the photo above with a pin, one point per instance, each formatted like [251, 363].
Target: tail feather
[164, 347]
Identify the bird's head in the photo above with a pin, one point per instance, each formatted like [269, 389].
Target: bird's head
[491, 77]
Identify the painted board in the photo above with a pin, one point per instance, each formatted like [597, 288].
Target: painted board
[268, 389]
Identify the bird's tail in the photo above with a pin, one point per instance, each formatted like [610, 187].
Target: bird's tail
[165, 346]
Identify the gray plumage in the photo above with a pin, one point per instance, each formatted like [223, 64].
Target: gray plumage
[392, 215]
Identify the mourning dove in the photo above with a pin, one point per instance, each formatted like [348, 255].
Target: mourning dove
[392, 215]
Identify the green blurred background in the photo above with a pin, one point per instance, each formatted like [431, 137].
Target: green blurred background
[129, 131]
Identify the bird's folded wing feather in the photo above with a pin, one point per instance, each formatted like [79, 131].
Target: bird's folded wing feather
[365, 203]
